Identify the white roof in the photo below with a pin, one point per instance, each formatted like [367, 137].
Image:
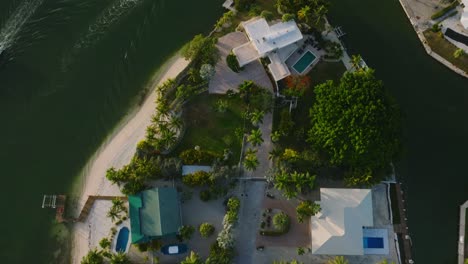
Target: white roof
[246, 53]
[173, 249]
[277, 67]
[189, 169]
[337, 229]
[267, 38]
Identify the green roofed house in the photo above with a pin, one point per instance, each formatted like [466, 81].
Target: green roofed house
[154, 213]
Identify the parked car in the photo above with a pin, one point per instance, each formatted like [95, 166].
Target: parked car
[174, 249]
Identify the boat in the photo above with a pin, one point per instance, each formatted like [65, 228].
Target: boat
[174, 249]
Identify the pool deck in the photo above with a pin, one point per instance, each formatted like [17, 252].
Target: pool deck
[296, 56]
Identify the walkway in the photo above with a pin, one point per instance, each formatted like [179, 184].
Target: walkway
[225, 79]
[252, 195]
[90, 202]
[462, 248]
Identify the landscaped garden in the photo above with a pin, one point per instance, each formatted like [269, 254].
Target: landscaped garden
[447, 50]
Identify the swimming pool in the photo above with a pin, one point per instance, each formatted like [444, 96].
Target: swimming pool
[304, 62]
[122, 240]
[373, 242]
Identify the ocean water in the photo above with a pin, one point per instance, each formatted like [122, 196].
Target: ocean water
[434, 101]
[69, 71]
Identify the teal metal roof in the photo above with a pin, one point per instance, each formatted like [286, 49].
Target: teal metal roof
[154, 213]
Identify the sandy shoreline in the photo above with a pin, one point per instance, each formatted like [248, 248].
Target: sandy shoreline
[115, 152]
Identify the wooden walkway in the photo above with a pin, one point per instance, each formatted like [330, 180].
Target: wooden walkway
[90, 202]
[402, 228]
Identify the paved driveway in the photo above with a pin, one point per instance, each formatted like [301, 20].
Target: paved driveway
[224, 78]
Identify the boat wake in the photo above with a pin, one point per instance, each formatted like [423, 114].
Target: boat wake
[12, 27]
[105, 20]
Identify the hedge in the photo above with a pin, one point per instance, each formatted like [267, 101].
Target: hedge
[232, 63]
[444, 11]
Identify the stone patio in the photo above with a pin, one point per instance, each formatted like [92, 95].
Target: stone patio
[225, 79]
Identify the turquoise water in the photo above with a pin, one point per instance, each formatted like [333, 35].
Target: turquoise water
[72, 69]
[301, 65]
[122, 239]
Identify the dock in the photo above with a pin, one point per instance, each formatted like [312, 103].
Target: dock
[401, 229]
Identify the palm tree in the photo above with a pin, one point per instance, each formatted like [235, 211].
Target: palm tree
[118, 203]
[119, 258]
[338, 260]
[255, 137]
[113, 214]
[175, 122]
[319, 13]
[356, 61]
[275, 136]
[257, 117]
[275, 153]
[168, 138]
[304, 13]
[251, 160]
[93, 257]
[193, 258]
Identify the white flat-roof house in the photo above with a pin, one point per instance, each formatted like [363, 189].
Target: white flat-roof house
[268, 41]
[338, 228]
[464, 16]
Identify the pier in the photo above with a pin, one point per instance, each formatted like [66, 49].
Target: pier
[401, 229]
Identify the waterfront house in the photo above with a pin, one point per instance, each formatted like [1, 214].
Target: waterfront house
[344, 224]
[154, 214]
[274, 42]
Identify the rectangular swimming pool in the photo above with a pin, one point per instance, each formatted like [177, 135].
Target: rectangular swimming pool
[373, 242]
[304, 62]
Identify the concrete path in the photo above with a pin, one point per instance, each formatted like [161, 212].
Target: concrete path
[252, 194]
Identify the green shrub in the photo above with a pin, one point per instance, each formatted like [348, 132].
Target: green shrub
[288, 17]
[105, 243]
[206, 229]
[199, 157]
[444, 10]
[267, 15]
[233, 63]
[281, 222]
[185, 232]
[198, 178]
[233, 204]
[205, 195]
[286, 123]
[143, 247]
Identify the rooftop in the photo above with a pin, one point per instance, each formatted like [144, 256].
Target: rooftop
[337, 229]
[154, 213]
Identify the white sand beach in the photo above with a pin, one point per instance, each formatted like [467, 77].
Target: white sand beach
[116, 152]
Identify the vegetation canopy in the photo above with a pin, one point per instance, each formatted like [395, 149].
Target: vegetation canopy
[355, 122]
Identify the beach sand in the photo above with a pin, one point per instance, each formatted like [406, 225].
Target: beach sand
[116, 152]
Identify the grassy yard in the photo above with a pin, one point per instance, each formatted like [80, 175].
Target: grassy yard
[446, 49]
[322, 72]
[210, 129]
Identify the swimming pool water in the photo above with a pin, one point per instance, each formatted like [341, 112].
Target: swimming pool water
[373, 242]
[122, 240]
[305, 61]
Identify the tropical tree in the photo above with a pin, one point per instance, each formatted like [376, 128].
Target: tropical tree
[356, 123]
[256, 117]
[193, 258]
[113, 214]
[337, 260]
[319, 13]
[207, 71]
[300, 251]
[225, 238]
[119, 258]
[255, 137]
[293, 183]
[93, 257]
[275, 136]
[206, 229]
[288, 17]
[219, 255]
[175, 122]
[118, 203]
[275, 153]
[222, 105]
[250, 160]
[281, 221]
[306, 209]
[105, 243]
[297, 84]
[304, 14]
[356, 62]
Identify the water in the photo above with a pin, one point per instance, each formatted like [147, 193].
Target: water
[122, 240]
[69, 71]
[435, 105]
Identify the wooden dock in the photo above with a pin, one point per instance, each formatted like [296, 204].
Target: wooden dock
[90, 202]
[402, 229]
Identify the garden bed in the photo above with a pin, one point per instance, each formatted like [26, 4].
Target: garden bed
[446, 49]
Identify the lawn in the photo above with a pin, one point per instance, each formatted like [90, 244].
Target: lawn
[446, 49]
[210, 129]
[322, 72]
